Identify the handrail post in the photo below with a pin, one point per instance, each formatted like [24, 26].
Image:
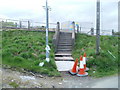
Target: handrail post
[73, 33]
[28, 25]
[77, 28]
[73, 23]
[16, 25]
[92, 31]
[80, 30]
[56, 36]
[20, 24]
[113, 32]
[2, 24]
[58, 26]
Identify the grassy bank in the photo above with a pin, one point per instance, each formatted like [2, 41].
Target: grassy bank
[26, 49]
[100, 65]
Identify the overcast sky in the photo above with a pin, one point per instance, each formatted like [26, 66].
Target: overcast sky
[62, 10]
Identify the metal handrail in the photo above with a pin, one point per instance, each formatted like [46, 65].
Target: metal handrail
[56, 36]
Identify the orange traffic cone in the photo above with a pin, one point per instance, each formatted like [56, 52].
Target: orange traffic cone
[82, 71]
[84, 62]
[73, 71]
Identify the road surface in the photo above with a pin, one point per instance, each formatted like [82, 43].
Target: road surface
[26, 80]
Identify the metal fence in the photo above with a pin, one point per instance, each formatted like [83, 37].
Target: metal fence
[7, 24]
[85, 27]
[92, 31]
[80, 27]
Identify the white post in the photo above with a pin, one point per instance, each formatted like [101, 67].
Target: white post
[47, 27]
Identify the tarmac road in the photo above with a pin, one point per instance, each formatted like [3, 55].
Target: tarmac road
[107, 82]
[89, 82]
[25, 80]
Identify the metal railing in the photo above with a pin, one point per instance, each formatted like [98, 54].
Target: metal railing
[8, 24]
[56, 36]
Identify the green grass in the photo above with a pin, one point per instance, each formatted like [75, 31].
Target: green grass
[14, 84]
[26, 49]
[104, 64]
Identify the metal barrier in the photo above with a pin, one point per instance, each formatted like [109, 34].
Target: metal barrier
[83, 27]
[80, 27]
[7, 24]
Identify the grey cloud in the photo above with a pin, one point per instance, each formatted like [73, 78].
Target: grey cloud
[69, 10]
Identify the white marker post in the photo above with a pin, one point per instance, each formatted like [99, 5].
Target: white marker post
[47, 27]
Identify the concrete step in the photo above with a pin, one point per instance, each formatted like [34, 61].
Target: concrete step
[66, 36]
[59, 46]
[69, 39]
[64, 65]
[64, 44]
[64, 49]
[63, 53]
[65, 40]
[65, 33]
[64, 59]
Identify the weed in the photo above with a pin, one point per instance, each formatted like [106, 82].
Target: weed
[14, 84]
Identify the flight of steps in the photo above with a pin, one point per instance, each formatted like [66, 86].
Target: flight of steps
[64, 49]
